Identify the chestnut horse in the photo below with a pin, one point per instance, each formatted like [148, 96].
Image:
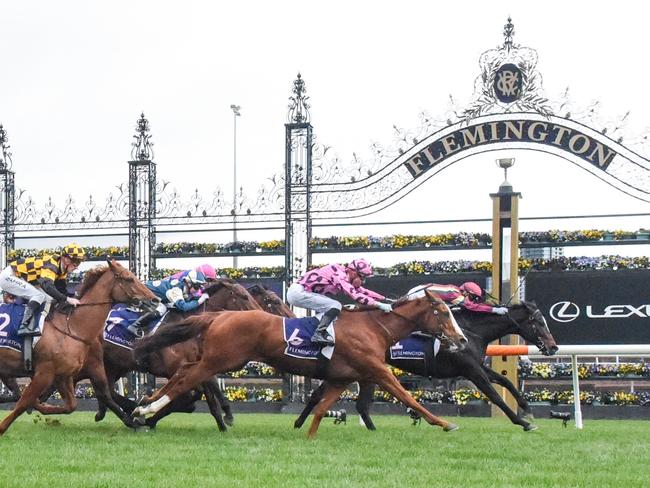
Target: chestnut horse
[67, 337]
[224, 294]
[523, 319]
[231, 339]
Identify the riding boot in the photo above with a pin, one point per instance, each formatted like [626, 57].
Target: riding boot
[321, 336]
[28, 327]
[141, 323]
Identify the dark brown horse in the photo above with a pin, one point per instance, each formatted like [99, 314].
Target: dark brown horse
[225, 294]
[231, 339]
[523, 319]
[67, 337]
[270, 301]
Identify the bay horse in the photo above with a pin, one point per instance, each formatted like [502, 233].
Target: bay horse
[229, 340]
[62, 349]
[523, 319]
[270, 301]
[224, 294]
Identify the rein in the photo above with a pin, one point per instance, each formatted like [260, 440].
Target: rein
[68, 315]
[533, 324]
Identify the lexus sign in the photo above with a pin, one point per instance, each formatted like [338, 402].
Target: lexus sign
[569, 311]
[594, 307]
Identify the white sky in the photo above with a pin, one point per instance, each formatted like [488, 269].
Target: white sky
[77, 74]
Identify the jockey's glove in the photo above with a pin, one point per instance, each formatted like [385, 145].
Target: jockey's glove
[203, 298]
[500, 310]
[385, 307]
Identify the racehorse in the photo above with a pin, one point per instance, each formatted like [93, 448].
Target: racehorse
[61, 351]
[231, 339]
[523, 319]
[224, 294]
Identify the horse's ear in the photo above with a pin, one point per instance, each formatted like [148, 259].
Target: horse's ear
[109, 260]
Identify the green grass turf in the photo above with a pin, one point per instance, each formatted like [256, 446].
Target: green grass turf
[265, 451]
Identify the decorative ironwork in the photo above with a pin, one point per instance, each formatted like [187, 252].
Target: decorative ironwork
[142, 204]
[7, 199]
[509, 81]
[142, 146]
[5, 155]
[298, 106]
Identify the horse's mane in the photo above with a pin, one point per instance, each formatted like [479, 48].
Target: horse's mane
[90, 278]
[228, 284]
[218, 284]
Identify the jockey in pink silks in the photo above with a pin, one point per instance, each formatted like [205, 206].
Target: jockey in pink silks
[468, 295]
[311, 291]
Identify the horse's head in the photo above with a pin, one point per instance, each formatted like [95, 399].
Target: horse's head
[125, 287]
[270, 301]
[532, 326]
[434, 318]
[225, 294]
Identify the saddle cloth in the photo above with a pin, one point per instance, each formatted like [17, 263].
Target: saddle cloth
[297, 335]
[116, 329]
[11, 315]
[413, 347]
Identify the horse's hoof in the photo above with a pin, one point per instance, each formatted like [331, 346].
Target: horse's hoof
[530, 428]
[229, 420]
[99, 416]
[450, 427]
[139, 422]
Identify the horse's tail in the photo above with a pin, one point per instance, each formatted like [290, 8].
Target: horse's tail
[172, 334]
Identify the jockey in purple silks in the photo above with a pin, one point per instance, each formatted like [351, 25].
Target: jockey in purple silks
[311, 291]
[469, 295]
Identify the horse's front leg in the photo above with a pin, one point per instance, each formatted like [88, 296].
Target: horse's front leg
[501, 380]
[388, 382]
[223, 401]
[313, 400]
[41, 380]
[180, 372]
[482, 382]
[365, 399]
[188, 376]
[66, 388]
[214, 405]
[330, 396]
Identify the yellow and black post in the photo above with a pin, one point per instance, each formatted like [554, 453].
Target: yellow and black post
[505, 273]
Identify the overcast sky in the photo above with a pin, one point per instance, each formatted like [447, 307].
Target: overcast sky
[77, 74]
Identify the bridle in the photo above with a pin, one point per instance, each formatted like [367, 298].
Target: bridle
[118, 280]
[534, 319]
[439, 335]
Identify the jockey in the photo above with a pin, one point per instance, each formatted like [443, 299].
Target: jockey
[208, 271]
[469, 295]
[311, 289]
[39, 279]
[174, 293]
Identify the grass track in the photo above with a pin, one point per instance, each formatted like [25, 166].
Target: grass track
[265, 451]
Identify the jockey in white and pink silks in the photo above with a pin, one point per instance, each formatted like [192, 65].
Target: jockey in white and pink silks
[469, 295]
[208, 271]
[311, 290]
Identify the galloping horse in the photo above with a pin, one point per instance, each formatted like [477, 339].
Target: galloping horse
[67, 337]
[230, 339]
[224, 294]
[523, 319]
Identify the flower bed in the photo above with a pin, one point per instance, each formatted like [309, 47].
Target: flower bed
[544, 370]
[397, 241]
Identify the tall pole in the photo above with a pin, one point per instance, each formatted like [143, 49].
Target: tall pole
[236, 113]
[505, 272]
